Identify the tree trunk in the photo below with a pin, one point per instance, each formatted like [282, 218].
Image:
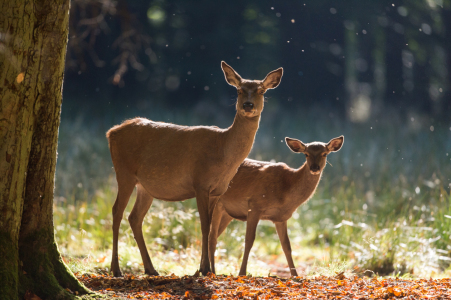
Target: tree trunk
[446, 15]
[351, 76]
[379, 81]
[33, 38]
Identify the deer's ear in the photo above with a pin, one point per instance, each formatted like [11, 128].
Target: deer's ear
[295, 145]
[232, 77]
[335, 144]
[273, 79]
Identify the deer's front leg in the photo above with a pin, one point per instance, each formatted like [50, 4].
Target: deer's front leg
[282, 231]
[204, 205]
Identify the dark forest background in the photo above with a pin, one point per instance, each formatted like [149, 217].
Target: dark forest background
[354, 59]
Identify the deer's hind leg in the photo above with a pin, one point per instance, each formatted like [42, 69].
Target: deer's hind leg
[220, 220]
[142, 205]
[251, 227]
[126, 184]
[225, 221]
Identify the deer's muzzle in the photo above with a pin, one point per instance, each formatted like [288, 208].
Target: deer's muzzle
[315, 168]
[248, 106]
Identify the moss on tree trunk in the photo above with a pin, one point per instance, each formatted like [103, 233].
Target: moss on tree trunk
[43, 270]
[33, 39]
[8, 268]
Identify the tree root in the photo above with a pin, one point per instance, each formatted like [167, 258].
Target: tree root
[44, 273]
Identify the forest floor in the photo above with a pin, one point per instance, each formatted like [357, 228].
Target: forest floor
[316, 281]
[340, 286]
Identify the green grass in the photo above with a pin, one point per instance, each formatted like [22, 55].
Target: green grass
[384, 206]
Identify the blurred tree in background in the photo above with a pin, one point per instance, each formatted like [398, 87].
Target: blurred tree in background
[356, 58]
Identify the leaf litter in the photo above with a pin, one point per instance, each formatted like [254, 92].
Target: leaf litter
[340, 286]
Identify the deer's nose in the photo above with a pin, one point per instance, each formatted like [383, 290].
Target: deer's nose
[248, 106]
[314, 168]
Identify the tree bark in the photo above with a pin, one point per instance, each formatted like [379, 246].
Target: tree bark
[33, 39]
[446, 15]
[351, 76]
[379, 81]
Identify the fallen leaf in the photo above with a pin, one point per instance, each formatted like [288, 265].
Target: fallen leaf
[230, 287]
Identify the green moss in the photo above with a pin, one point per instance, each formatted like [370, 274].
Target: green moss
[8, 267]
[64, 275]
[44, 273]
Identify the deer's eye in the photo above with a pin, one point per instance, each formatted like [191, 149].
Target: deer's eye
[324, 154]
[240, 92]
[306, 155]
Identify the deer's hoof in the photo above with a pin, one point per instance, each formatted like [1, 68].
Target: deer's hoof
[205, 271]
[117, 273]
[151, 272]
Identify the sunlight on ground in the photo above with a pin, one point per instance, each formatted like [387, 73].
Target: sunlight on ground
[187, 262]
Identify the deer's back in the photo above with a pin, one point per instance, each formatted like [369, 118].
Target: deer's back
[167, 159]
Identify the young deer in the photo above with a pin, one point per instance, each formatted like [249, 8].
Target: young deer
[270, 191]
[175, 163]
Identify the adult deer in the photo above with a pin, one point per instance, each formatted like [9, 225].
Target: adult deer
[270, 191]
[174, 163]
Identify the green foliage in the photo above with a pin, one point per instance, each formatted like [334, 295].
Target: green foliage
[442, 224]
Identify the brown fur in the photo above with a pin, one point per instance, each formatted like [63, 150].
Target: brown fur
[174, 163]
[270, 191]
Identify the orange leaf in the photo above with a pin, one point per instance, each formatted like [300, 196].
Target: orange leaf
[101, 260]
[397, 292]
[280, 283]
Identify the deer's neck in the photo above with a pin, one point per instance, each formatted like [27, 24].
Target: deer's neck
[306, 183]
[240, 138]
